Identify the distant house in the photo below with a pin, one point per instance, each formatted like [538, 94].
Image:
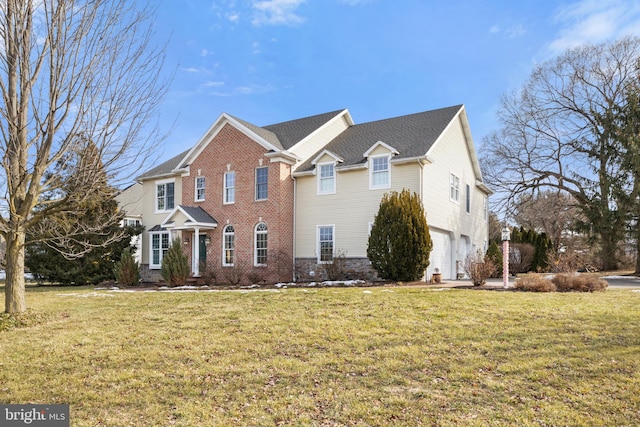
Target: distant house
[279, 202]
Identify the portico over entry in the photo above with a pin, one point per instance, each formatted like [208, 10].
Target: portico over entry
[198, 221]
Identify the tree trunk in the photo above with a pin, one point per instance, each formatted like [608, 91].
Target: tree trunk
[637, 249]
[609, 251]
[15, 301]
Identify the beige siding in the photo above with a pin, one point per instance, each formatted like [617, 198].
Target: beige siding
[318, 140]
[151, 217]
[450, 155]
[130, 200]
[350, 209]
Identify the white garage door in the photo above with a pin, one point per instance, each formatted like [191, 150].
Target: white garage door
[440, 254]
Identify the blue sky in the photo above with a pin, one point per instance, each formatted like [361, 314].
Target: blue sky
[268, 61]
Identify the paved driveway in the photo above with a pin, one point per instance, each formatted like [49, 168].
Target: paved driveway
[623, 282]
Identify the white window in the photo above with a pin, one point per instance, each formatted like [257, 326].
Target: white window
[326, 178]
[229, 187]
[229, 246]
[485, 207]
[260, 250]
[454, 188]
[380, 176]
[262, 183]
[160, 242]
[199, 188]
[165, 196]
[467, 190]
[325, 243]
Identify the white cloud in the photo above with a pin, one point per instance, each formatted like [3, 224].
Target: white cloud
[355, 2]
[594, 21]
[213, 84]
[512, 32]
[205, 52]
[515, 31]
[277, 12]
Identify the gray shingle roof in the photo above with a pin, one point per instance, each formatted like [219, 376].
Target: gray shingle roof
[163, 168]
[198, 214]
[267, 135]
[412, 135]
[291, 132]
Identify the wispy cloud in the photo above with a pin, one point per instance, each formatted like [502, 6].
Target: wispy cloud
[512, 32]
[355, 2]
[594, 21]
[277, 12]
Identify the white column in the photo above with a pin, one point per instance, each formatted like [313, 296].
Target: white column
[195, 253]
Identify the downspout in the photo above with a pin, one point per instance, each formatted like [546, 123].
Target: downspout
[293, 257]
[420, 189]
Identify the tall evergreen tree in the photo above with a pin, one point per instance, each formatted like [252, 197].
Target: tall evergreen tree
[400, 244]
[84, 258]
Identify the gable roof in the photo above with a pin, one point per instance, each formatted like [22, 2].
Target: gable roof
[411, 135]
[163, 169]
[293, 131]
[194, 216]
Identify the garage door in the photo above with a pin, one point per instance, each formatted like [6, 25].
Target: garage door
[440, 254]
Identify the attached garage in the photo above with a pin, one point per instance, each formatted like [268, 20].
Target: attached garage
[441, 254]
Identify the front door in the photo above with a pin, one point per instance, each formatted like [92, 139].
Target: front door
[202, 261]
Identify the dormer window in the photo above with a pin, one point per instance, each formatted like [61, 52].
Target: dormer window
[326, 178]
[379, 172]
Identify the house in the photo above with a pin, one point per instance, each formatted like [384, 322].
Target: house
[279, 202]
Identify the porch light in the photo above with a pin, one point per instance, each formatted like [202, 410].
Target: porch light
[185, 240]
[207, 239]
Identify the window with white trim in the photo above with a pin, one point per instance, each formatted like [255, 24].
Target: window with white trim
[325, 243]
[160, 242]
[379, 172]
[467, 203]
[229, 246]
[260, 248]
[454, 188]
[229, 187]
[165, 196]
[262, 183]
[326, 178]
[199, 188]
[485, 208]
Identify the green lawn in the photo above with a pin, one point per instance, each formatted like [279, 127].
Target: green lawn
[324, 357]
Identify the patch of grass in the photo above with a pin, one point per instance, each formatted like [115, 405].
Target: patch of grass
[347, 356]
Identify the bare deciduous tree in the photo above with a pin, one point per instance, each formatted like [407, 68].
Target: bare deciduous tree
[69, 68]
[553, 137]
[548, 212]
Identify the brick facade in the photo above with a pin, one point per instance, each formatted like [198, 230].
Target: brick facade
[232, 150]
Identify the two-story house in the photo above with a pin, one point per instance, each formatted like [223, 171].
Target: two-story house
[278, 202]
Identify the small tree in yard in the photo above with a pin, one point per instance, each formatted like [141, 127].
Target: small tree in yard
[126, 270]
[175, 265]
[399, 244]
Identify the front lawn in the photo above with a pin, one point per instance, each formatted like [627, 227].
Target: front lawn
[350, 356]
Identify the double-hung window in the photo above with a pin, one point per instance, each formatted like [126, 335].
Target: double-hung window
[380, 174]
[467, 203]
[165, 196]
[262, 181]
[260, 249]
[199, 188]
[454, 188]
[325, 243]
[160, 242]
[229, 187]
[326, 178]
